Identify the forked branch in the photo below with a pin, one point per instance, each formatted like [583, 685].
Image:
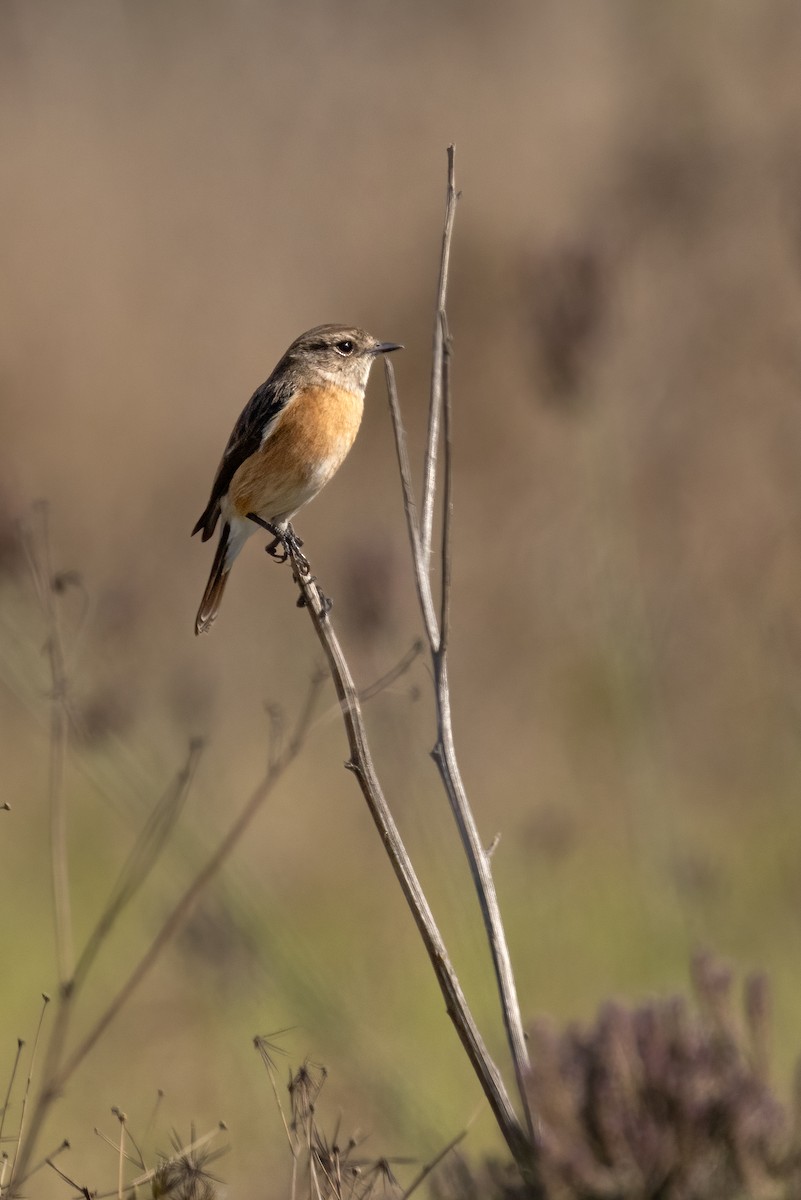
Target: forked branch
[444, 752]
[436, 620]
[361, 764]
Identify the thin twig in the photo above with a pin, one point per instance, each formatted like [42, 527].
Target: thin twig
[25, 1094]
[435, 407]
[58, 824]
[444, 752]
[361, 764]
[55, 1046]
[447, 486]
[151, 1121]
[150, 843]
[36, 543]
[137, 1158]
[121, 1156]
[276, 717]
[6, 1103]
[112, 1145]
[444, 755]
[187, 901]
[48, 1158]
[262, 1044]
[426, 1170]
[57, 1074]
[420, 578]
[389, 677]
[69, 990]
[82, 1191]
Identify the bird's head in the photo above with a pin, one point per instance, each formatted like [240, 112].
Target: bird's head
[338, 354]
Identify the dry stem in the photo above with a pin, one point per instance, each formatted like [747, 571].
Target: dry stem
[57, 1071]
[520, 1142]
[36, 543]
[361, 764]
[444, 752]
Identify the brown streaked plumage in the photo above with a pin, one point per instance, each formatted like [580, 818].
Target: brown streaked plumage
[290, 439]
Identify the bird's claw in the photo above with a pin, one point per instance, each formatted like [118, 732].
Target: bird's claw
[277, 550]
[285, 542]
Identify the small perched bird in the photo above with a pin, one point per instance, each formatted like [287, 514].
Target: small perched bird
[290, 439]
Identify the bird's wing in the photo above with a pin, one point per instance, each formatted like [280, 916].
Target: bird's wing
[256, 422]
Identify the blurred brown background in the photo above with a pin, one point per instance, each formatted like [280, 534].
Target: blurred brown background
[186, 187]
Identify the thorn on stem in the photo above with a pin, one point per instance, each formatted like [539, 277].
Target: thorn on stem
[492, 847]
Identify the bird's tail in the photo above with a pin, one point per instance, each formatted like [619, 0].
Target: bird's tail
[210, 604]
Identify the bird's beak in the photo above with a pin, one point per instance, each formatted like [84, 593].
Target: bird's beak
[387, 347]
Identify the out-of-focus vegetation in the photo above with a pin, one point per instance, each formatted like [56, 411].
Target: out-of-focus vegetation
[666, 1099]
[187, 187]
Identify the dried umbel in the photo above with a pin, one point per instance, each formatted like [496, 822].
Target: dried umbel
[184, 1174]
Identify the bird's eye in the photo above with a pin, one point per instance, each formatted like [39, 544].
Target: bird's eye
[344, 348]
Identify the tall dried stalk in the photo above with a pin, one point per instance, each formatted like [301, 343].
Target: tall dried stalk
[444, 752]
[436, 620]
[361, 764]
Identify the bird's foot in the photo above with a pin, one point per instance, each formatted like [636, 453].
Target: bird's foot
[285, 542]
[292, 545]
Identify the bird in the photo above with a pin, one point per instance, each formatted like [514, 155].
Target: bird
[290, 439]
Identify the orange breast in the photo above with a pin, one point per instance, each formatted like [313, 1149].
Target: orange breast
[312, 437]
